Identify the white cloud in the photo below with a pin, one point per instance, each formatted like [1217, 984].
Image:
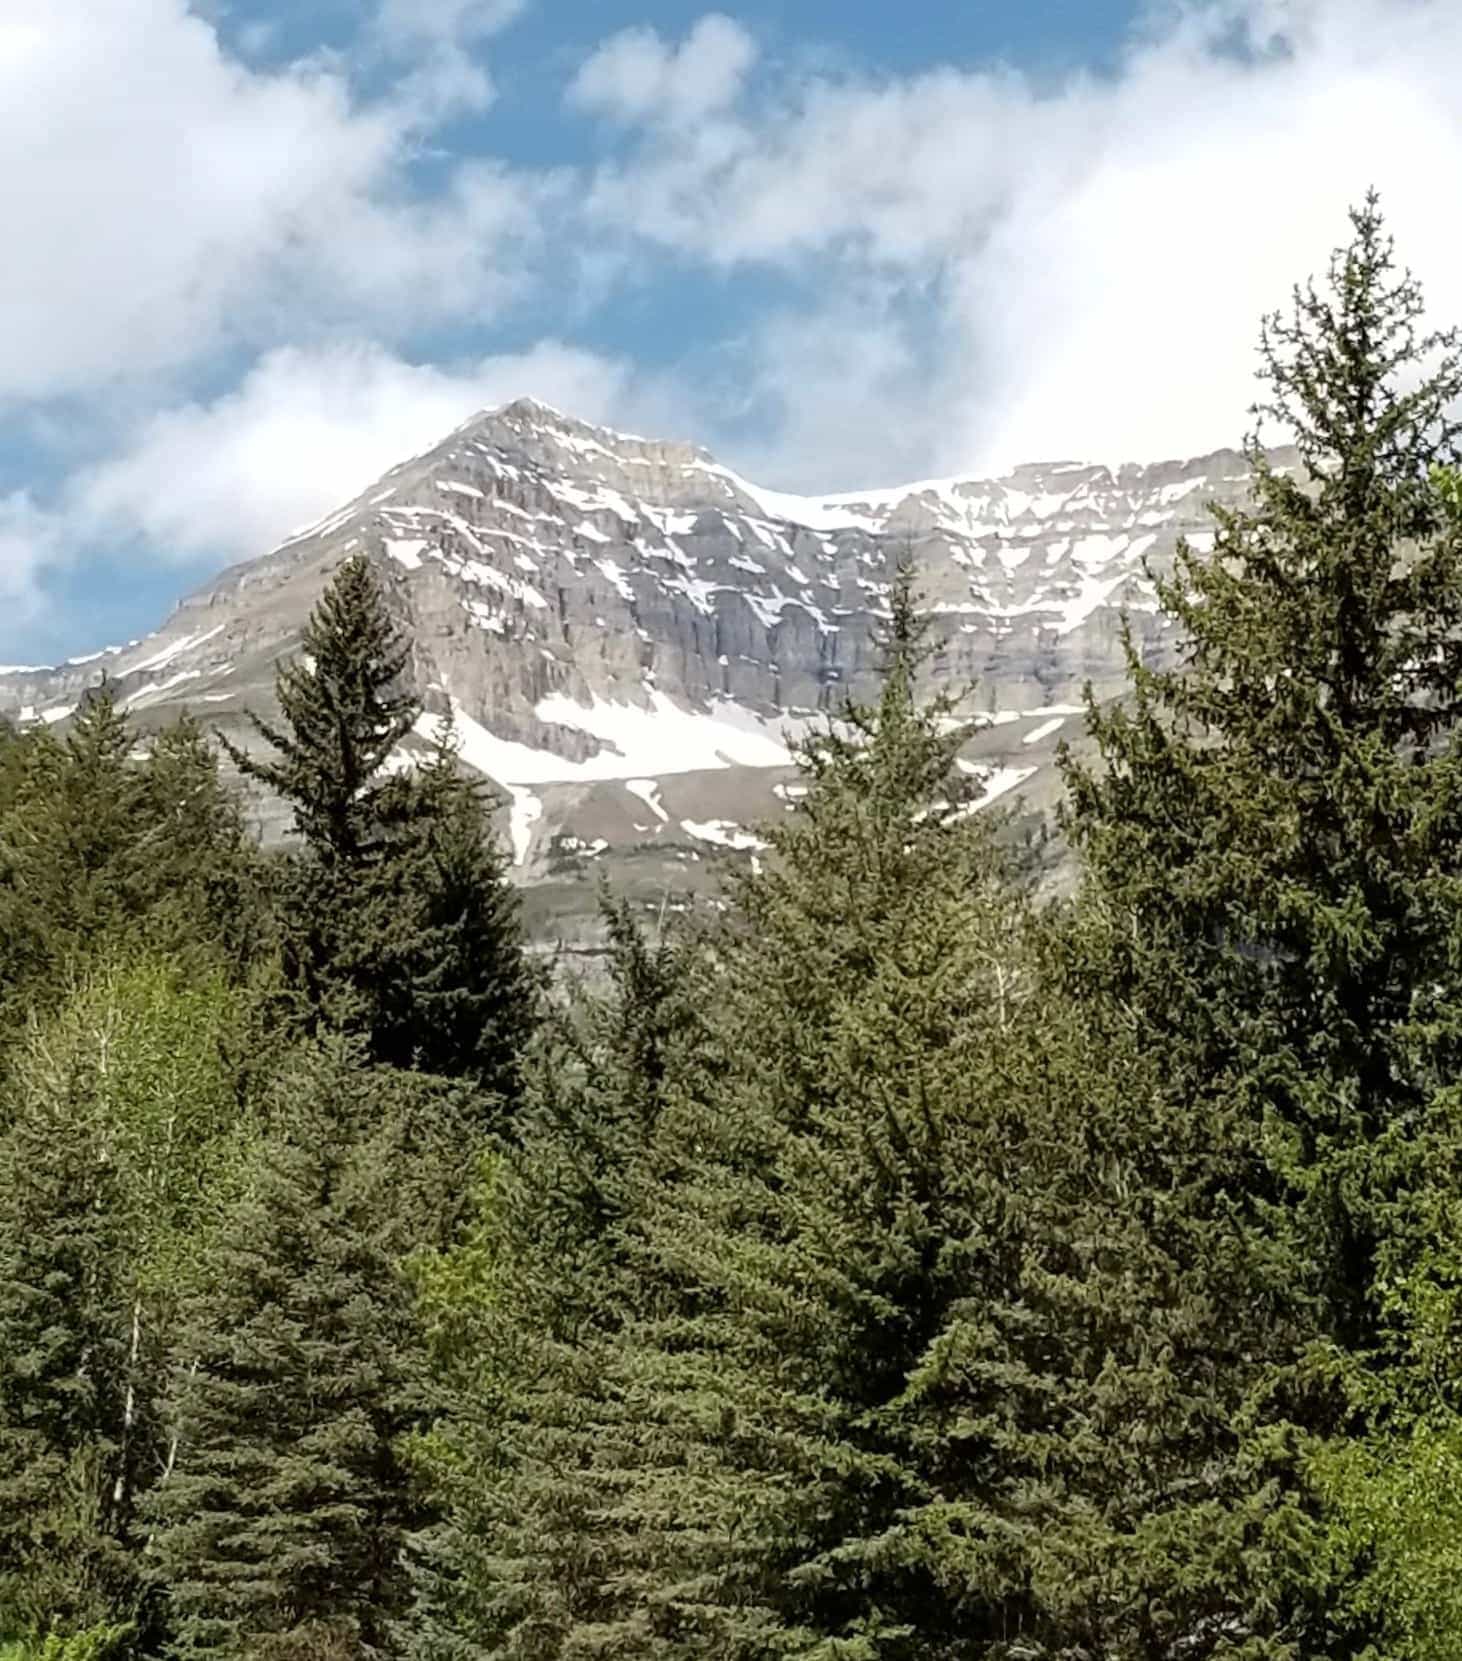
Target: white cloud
[28, 545]
[991, 269]
[162, 199]
[636, 76]
[439, 39]
[404, 21]
[305, 432]
[1093, 257]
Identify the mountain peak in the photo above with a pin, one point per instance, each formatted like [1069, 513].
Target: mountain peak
[621, 626]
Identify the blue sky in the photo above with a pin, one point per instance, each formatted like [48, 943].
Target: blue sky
[258, 251]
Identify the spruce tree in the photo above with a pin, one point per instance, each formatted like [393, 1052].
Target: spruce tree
[196, 867]
[1272, 830]
[64, 879]
[457, 993]
[915, 1348]
[345, 708]
[518, 1307]
[397, 921]
[101, 846]
[63, 1358]
[122, 1119]
[677, 1488]
[279, 1528]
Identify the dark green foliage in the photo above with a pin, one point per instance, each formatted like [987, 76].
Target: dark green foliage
[279, 1526]
[887, 1269]
[1280, 822]
[63, 1358]
[455, 994]
[397, 922]
[920, 1365]
[628, 1514]
[1274, 832]
[518, 1306]
[198, 868]
[97, 846]
[121, 1126]
[345, 709]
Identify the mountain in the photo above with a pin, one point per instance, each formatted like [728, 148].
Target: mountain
[624, 629]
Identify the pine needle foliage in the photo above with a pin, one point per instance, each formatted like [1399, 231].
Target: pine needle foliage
[397, 923]
[98, 845]
[706, 1469]
[279, 1528]
[521, 1306]
[122, 1123]
[345, 708]
[1272, 831]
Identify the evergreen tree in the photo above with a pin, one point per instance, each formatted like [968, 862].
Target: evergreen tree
[1272, 833]
[632, 1524]
[457, 995]
[197, 868]
[280, 1526]
[99, 845]
[512, 1305]
[345, 709]
[63, 1350]
[122, 1119]
[914, 1348]
[63, 878]
[398, 923]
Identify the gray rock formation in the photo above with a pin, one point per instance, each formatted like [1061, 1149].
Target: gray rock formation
[623, 628]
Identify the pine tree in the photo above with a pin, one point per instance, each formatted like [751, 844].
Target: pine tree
[62, 1360]
[1272, 833]
[915, 1350]
[121, 1117]
[63, 842]
[197, 868]
[457, 995]
[280, 1526]
[100, 846]
[511, 1306]
[345, 708]
[632, 1527]
[397, 920]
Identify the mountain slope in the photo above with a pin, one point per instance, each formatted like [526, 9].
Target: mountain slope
[623, 628]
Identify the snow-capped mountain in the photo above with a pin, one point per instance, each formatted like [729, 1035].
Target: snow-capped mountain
[624, 629]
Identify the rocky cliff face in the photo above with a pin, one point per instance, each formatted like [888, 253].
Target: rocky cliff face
[624, 629]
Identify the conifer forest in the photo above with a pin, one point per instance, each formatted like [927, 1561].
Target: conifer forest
[898, 1260]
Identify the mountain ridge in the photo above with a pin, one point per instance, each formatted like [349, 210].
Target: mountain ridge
[622, 627]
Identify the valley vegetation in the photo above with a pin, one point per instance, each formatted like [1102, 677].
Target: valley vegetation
[891, 1264]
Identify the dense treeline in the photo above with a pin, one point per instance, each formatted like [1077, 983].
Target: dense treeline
[893, 1265]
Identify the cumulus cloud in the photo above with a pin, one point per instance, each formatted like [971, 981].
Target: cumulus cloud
[439, 38]
[972, 267]
[636, 76]
[29, 544]
[305, 431]
[162, 199]
[1093, 256]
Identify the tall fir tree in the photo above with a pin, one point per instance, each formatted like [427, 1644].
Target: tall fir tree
[398, 924]
[100, 845]
[197, 868]
[911, 1347]
[63, 845]
[1272, 831]
[511, 1306]
[345, 707]
[122, 1119]
[279, 1528]
[458, 994]
[63, 1361]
